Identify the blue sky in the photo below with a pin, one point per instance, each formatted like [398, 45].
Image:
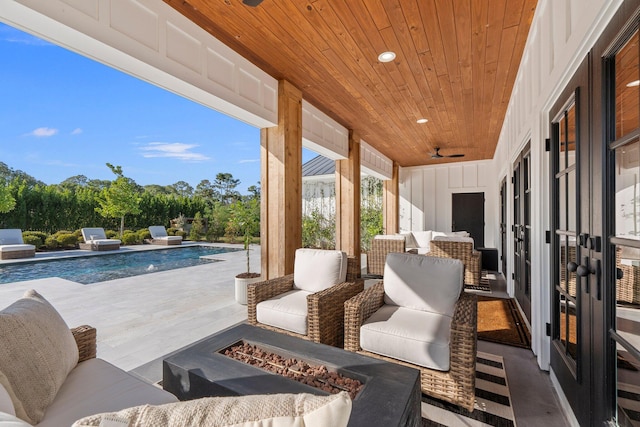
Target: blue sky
[63, 115]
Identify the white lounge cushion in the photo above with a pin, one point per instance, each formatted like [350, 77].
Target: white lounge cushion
[96, 386]
[315, 269]
[6, 405]
[418, 337]
[96, 233]
[168, 238]
[11, 236]
[275, 410]
[8, 420]
[37, 352]
[423, 282]
[17, 247]
[101, 242]
[286, 311]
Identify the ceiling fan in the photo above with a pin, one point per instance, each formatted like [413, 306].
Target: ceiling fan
[437, 154]
[252, 3]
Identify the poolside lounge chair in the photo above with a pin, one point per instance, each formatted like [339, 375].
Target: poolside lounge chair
[12, 246]
[159, 236]
[96, 240]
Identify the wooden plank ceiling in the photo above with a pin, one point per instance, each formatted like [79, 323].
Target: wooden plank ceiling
[455, 66]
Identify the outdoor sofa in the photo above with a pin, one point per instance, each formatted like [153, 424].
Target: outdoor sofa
[50, 377]
[12, 246]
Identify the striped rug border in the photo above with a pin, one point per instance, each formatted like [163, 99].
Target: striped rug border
[493, 400]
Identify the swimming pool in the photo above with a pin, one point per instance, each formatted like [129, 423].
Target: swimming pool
[99, 268]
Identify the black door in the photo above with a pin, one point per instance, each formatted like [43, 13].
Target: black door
[503, 225]
[468, 215]
[522, 230]
[577, 310]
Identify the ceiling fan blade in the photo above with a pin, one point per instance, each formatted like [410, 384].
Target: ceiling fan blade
[455, 155]
[252, 3]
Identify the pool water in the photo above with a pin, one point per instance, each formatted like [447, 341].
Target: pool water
[99, 268]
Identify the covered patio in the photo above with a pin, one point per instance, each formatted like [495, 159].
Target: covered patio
[464, 105]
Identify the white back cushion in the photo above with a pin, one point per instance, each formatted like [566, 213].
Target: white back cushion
[6, 405]
[11, 236]
[388, 237]
[422, 238]
[422, 282]
[97, 233]
[409, 240]
[157, 231]
[37, 353]
[316, 269]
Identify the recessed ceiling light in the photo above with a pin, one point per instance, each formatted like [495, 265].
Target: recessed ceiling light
[386, 56]
[422, 120]
[634, 83]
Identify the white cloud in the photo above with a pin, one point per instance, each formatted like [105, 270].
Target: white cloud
[76, 131]
[43, 132]
[176, 150]
[249, 161]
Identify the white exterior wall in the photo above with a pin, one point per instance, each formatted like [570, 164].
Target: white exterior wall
[425, 195]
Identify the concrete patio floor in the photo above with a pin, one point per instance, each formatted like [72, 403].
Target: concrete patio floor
[141, 318]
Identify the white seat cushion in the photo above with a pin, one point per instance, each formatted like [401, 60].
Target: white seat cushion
[423, 282]
[286, 311]
[100, 242]
[17, 247]
[315, 270]
[415, 336]
[96, 386]
[168, 238]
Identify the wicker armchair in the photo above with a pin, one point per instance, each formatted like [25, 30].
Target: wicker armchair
[325, 309]
[85, 337]
[380, 247]
[456, 385]
[628, 287]
[463, 251]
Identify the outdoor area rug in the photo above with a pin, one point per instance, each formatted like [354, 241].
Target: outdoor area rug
[484, 284]
[500, 321]
[493, 401]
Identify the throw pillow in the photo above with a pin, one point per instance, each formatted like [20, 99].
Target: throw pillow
[276, 410]
[37, 352]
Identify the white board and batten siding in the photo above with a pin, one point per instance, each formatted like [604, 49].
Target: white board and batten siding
[426, 195]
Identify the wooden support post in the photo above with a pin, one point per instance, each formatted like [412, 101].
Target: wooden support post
[348, 200]
[281, 185]
[390, 203]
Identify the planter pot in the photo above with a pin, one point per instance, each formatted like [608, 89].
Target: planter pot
[241, 287]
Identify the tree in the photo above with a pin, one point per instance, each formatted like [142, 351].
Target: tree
[224, 188]
[72, 183]
[254, 191]
[7, 201]
[245, 222]
[205, 190]
[182, 188]
[119, 199]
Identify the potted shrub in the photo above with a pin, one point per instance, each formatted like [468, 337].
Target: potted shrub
[245, 221]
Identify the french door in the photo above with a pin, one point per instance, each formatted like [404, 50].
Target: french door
[503, 226]
[522, 230]
[576, 249]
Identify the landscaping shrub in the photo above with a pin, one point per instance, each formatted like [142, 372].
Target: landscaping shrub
[171, 231]
[51, 243]
[181, 233]
[66, 240]
[131, 238]
[197, 231]
[143, 234]
[35, 238]
[111, 234]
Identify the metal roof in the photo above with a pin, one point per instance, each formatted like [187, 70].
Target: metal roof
[319, 165]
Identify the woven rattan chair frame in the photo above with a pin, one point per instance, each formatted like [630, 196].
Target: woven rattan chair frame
[325, 309]
[463, 251]
[628, 287]
[457, 385]
[377, 255]
[85, 337]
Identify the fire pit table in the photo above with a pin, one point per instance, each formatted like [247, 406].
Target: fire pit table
[389, 396]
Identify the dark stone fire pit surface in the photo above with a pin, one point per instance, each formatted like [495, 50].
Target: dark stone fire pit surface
[390, 396]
